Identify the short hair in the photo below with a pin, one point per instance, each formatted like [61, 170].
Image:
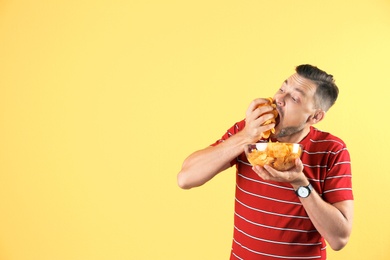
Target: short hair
[327, 91]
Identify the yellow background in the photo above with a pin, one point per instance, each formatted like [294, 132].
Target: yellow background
[101, 101]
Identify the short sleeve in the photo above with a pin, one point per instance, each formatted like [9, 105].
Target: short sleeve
[237, 127]
[338, 181]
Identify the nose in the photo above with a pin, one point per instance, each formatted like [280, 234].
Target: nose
[279, 100]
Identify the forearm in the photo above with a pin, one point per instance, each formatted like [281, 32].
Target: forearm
[203, 165]
[333, 222]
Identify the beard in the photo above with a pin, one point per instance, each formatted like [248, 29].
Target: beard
[290, 130]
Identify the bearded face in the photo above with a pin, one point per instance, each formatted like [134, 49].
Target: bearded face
[295, 105]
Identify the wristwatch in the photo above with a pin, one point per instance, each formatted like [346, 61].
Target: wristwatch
[304, 191]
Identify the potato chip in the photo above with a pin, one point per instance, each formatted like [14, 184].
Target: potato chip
[266, 134]
[280, 156]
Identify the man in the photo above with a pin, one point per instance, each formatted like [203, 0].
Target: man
[289, 214]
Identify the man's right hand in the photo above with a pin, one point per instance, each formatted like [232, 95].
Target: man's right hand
[256, 116]
[202, 165]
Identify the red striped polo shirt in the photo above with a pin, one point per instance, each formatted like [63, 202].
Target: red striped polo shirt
[270, 222]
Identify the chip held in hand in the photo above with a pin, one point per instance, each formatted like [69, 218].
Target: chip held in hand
[266, 134]
[280, 156]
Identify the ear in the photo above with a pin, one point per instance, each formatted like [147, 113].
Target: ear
[317, 117]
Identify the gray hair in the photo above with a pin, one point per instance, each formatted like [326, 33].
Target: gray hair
[327, 91]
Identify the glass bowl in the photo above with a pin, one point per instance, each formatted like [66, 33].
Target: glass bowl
[280, 156]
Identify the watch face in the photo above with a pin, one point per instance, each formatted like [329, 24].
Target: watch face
[303, 192]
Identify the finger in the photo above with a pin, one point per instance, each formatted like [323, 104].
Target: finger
[263, 173]
[260, 122]
[298, 164]
[256, 103]
[274, 173]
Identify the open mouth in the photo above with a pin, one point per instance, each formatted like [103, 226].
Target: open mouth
[277, 119]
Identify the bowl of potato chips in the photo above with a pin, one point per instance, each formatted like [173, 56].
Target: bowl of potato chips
[280, 156]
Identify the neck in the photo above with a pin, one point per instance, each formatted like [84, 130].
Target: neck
[296, 137]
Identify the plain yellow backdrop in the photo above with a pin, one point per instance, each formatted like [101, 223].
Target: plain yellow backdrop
[101, 101]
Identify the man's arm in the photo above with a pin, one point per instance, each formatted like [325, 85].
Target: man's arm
[333, 221]
[203, 165]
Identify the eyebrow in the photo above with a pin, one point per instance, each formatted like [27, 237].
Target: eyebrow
[296, 89]
[300, 91]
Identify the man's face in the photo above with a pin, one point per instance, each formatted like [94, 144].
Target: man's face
[295, 104]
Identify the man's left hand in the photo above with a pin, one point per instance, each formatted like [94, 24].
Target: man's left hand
[295, 175]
